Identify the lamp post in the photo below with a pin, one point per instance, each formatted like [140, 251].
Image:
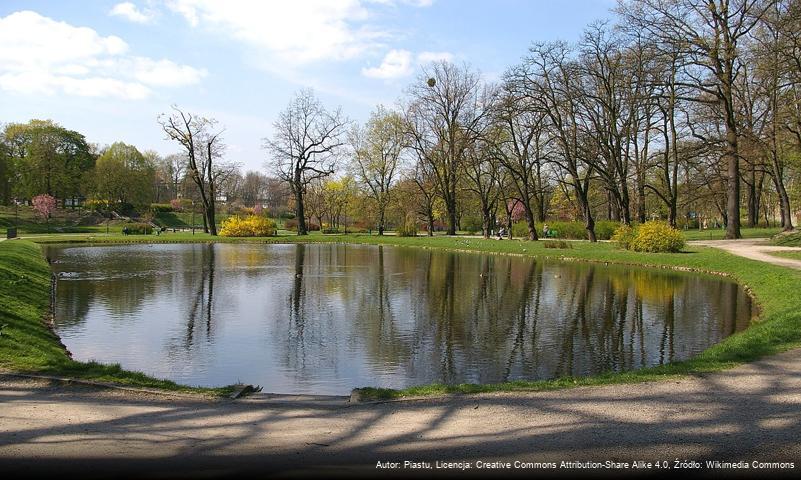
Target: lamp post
[193, 217]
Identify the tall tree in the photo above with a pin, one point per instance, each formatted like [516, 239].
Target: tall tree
[551, 78]
[201, 140]
[377, 149]
[123, 175]
[708, 34]
[447, 108]
[306, 145]
[521, 150]
[49, 158]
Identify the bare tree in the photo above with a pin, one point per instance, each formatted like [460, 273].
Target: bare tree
[551, 79]
[426, 182]
[708, 35]
[521, 151]
[444, 117]
[306, 145]
[201, 139]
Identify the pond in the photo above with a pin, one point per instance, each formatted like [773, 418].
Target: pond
[326, 318]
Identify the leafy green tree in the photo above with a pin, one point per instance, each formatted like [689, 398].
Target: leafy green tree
[123, 175]
[6, 172]
[377, 154]
[49, 158]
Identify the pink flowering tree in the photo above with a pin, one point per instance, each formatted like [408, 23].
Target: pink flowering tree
[44, 205]
[176, 204]
[258, 209]
[517, 210]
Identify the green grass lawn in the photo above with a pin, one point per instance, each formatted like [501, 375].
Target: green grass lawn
[788, 240]
[778, 328]
[793, 255]
[62, 221]
[184, 219]
[719, 234]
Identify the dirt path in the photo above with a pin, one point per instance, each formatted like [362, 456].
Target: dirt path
[748, 413]
[756, 249]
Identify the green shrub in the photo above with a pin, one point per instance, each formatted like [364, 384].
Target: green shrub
[472, 224]
[125, 208]
[331, 230]
[161, 208]
[604, 229]
[519, 229]
[654, 236]
[572, 230]
[98, 206]
[408, 229]
[137, 229]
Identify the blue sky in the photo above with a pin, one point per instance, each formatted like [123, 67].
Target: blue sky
[108, 68]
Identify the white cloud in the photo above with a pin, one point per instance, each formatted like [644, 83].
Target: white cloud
[396, 63]
[132, 13]
[428, 57]
[39, 55]
[294, 32]
[165, 73]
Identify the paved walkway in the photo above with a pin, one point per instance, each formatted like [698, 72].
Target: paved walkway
[756, 249]
[749, 413]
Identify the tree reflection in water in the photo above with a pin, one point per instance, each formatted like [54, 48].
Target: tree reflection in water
[326, 318]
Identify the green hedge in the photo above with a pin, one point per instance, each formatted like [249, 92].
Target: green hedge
[604, 229]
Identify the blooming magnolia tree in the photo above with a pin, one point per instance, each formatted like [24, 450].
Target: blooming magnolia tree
[517, 210]
[44, 205]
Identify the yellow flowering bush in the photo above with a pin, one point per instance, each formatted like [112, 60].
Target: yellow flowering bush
[623, 236]
[654, 236]
[250, 226]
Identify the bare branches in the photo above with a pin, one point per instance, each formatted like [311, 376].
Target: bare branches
[307, 143]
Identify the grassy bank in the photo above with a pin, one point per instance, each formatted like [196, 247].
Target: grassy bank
[778, 329]
[793, 255]
[788, 240]
[27, 345]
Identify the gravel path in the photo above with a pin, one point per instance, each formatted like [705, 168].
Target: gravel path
[750, 413]
[756, 249]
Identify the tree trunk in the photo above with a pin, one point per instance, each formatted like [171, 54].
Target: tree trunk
[784, 199]
[641, 199]
[589, 221]
[733, 187]
[452, 216]
[532, 224]
[753, 213]
[486, 220]
[300, 214]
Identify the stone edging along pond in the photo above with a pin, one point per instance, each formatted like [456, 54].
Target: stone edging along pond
[777, 329]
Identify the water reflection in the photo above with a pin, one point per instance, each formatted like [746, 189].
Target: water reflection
[327, 318]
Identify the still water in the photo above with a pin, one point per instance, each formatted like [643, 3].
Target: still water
[325, 318]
